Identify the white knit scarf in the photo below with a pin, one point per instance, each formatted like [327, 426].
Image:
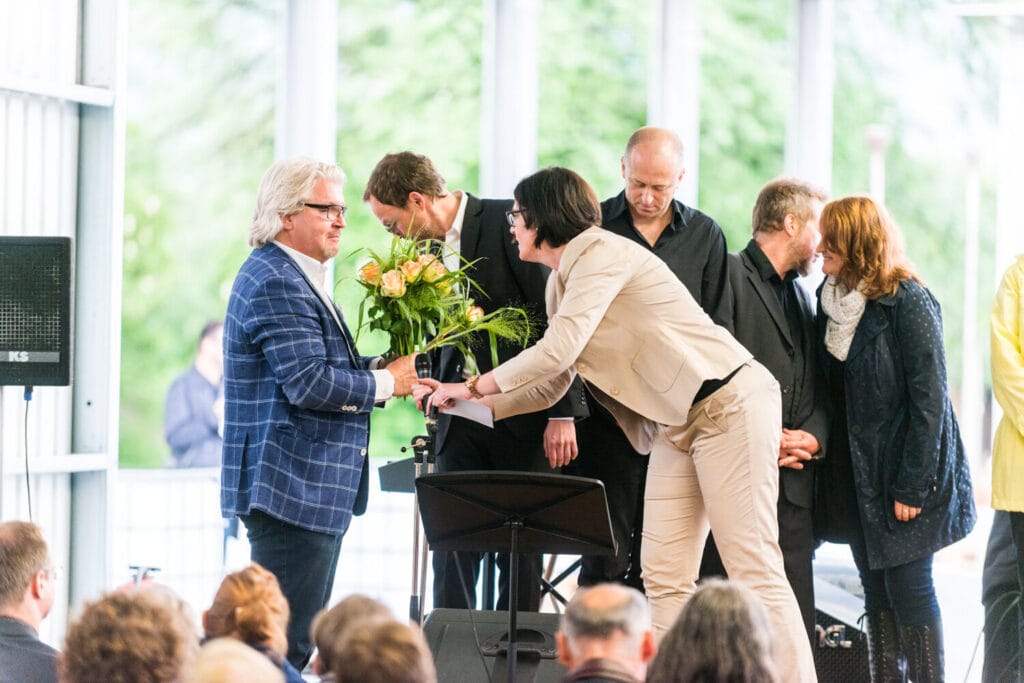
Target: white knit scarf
[844, 309]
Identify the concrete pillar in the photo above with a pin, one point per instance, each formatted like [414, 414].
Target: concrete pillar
[809, 130]
[673, 91]
[511, 93]
[307, 85]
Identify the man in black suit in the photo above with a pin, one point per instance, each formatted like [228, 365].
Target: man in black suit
[774, 319]
[27, 591]
[409, 197]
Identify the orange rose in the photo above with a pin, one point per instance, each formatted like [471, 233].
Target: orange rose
[392, 284]
[369, 272]
[411, 270]
[474, 313]
[434, 270]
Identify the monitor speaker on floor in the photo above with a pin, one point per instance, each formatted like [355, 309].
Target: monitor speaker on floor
[35, 311]
[840, 645]
[453, 635]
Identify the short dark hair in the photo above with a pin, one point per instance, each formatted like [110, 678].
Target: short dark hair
[396, 175]
[209, 329]
[558, 203]
[781, 197]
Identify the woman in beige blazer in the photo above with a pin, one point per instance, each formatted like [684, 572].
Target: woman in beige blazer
[678, 385]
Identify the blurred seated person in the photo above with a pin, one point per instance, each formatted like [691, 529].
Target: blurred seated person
[129, 636]
[722, 634]
[382, 652]
[606, 635]
[194, 408]
[27, 579]
[249, 606]
[330, 625]
[226, 660]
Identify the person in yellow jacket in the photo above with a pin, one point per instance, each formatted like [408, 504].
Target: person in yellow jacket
[1008, 448]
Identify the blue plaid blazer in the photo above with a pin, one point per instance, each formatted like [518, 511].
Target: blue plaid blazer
[297, 400]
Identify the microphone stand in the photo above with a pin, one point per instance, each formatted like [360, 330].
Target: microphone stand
[423, 453]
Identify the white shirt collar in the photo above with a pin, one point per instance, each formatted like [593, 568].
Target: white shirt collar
[453, 238]
[318, 273]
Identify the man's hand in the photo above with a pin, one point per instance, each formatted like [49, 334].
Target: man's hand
[905, 513]
[560, 442]
[404, 372]
[796, 447]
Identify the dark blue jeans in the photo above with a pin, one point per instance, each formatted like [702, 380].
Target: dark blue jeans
[906, 589]
[304, 563]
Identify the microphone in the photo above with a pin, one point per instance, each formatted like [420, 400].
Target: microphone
[423, 369]
[423, 366]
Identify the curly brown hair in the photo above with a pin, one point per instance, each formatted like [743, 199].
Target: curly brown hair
[250, 606]
[859, 230]
[131, 636]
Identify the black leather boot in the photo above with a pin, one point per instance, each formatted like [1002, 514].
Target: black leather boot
[925, 654]
[886, 660]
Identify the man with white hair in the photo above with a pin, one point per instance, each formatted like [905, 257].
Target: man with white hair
[606, 635]
[27, 581]
[297, 394]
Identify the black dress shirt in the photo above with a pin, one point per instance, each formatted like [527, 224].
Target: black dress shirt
[785, 291]
[693, 246]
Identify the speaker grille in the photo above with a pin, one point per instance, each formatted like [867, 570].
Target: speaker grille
[35, 305]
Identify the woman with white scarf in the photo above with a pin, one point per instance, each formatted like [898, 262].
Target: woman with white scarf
[881, 333]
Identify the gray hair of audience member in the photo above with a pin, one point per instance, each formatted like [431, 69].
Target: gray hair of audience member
[383, 652]
[23, 554]
[781, 197]
[330, 625]
[722, 634]
[591, 614]
[227, 660]
[283, 191]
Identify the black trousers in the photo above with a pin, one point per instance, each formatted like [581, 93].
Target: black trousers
[1000, 594]
[470, 446]
[796, 539]
[304, 563]
[606, 454]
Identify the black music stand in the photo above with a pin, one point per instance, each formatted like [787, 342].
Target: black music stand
[515, 512]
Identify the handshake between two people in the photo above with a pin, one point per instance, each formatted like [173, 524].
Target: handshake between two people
[429, 393]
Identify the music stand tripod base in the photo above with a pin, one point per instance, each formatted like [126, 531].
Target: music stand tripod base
[515, 512]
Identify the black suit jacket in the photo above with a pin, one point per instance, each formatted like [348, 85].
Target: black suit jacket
[760, 325]
[507, 281]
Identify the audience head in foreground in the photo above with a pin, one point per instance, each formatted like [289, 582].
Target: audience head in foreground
[722, 634]
[330, 625]
[605, 634]
[249, 606]
[226, 660]
[27, 588]
[138, 635]
[382, 652]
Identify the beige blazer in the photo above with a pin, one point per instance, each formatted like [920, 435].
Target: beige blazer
[622, 320]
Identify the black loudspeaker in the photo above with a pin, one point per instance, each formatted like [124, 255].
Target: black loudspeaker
[453, 635]
[840, 646]
[35, 311]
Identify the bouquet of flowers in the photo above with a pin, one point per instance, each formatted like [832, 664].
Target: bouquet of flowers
[422, 305]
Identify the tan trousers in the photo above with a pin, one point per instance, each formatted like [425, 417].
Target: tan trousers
[720, 471]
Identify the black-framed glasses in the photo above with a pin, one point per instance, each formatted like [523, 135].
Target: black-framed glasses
[330, 211]
[511, 217]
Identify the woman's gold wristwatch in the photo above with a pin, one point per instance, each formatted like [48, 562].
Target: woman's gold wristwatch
[471, 385]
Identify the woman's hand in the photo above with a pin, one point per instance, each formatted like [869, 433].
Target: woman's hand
[905, 513]
[439, 395]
